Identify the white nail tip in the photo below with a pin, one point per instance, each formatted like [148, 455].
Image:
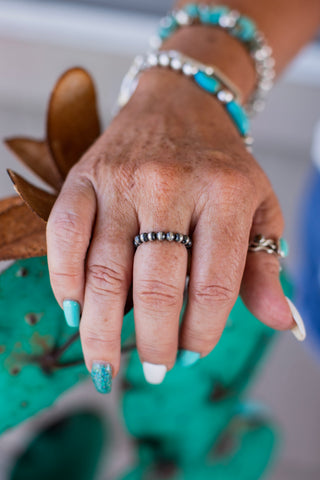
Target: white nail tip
[153, 373]
[299, 331]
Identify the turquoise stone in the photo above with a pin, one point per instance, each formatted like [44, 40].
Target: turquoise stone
[192, 10]
[165, 32]
[239, 117]
[245, 29]
[216, 13]
[71, 310]
[101, 374]
[186, 358]
[204, 14]
[284, 247]
[206, 82]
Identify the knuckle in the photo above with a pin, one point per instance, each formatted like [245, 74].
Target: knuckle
[99, 336]
[68, 227]
[64, 276]
[160, 177]
[207, 295]
[157, 294]
[270, 265]
[234, 184]
[106, 279]
[269, 214]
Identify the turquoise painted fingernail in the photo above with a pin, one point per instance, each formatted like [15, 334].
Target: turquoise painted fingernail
[186, 358]
[71, 310]
[101, 374]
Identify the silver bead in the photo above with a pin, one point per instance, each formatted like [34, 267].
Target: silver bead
[137, 240]
[225, 96]
[268, 74]
[265, 72]
[262, 53]
[170, 236]
[209, 71]
[182, 18]
[266, 85]
[141, 237]
[258, 105]
[176, 64]
[152, 59]
[161, 236]
[150, 237]
[188, 69]
[164, 60]
[248, 140]
[229, 20]
[259, 38]
[268, 62]
[166, 22]
[180, 237]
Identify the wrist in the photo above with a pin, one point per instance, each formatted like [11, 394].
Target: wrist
[177, 100]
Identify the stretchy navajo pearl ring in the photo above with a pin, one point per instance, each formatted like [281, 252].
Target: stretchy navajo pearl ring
[161, 237]
[277, 247]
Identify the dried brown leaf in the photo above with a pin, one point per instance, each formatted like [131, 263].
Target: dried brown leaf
[36, 155]
[73, 122]
[22, 233]
[40, 201]
[9, 202]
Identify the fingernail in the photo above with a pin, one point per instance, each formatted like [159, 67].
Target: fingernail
[186, 358]
[153, 373]
[299, 330]
[101, 374]
[71, 310]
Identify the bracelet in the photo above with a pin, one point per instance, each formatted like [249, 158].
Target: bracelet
[239, 26]
[209, 78]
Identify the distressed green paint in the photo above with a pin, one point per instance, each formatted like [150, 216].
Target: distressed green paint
[188, 413]
[175, 414]
[70, 448]
[32, 325]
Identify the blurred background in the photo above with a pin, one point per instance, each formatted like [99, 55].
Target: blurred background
[38, 41]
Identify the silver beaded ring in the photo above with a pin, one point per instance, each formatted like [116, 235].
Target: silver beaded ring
[161, 237]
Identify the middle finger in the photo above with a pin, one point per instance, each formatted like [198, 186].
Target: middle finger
[159, 274]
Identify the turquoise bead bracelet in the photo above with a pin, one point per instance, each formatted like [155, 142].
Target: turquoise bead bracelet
[237, 25]
[209, 78]
[235, 110]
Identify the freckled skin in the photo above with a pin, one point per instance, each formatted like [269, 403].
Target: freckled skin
[172, 160]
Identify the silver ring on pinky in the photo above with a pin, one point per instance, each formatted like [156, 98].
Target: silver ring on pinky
[277, 247]
[162, 237]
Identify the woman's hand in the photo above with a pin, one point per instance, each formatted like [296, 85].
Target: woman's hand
[171, 160]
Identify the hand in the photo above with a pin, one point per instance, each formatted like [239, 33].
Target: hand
[171, 160]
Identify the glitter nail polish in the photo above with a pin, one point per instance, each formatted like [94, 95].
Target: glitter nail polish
[101, 374]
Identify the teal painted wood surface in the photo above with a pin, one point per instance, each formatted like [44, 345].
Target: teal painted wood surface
[32, 331]
[182, 421]
[70, 448]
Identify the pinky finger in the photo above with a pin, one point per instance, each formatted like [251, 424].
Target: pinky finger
[262, 293]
